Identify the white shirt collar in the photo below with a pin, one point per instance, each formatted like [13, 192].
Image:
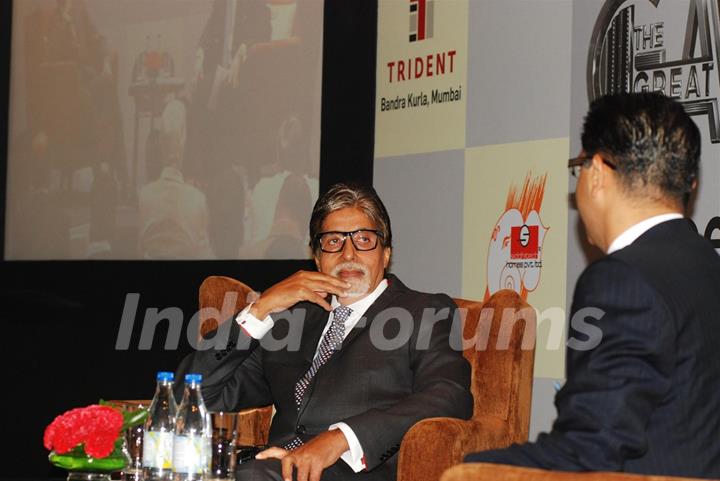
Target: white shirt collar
[631, 234]
[359, 307]
[358, 310]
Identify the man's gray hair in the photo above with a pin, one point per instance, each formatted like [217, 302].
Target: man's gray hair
[341, 196]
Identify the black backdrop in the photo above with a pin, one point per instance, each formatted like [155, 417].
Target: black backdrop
[60, 319]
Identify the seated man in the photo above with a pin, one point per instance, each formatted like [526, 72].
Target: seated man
[173, 214]
[642, 396]
[350, 357]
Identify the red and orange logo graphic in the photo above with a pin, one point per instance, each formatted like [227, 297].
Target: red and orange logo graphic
[515, 252]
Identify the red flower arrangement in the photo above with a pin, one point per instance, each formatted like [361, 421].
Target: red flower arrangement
[96, 427]
[91, 438]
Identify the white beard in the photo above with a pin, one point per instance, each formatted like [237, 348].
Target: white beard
[358, 286]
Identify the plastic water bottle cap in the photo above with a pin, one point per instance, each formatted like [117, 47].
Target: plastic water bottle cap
[193, 378]
[165, 376]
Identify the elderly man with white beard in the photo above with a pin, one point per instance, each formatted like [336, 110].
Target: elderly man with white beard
[374, 356]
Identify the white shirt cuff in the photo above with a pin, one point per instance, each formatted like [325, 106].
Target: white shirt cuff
[353, 456]
[253, 326]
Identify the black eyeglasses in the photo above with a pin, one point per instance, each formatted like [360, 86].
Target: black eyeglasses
[334, 241]
[576, 163]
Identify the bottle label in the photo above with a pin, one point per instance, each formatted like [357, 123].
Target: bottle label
[191, 454]
[157, 449]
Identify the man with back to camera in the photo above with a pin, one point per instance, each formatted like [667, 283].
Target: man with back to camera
[645, 398]
[346, 396]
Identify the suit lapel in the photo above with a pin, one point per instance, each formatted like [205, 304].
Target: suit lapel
[312, 330]
[309, 346]
[386, 298]
[317, 319]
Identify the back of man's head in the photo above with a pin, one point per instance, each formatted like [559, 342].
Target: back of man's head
[651, 140]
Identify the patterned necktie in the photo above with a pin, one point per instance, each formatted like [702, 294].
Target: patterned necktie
[330, 343]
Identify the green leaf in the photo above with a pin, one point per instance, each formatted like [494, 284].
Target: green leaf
[130, 418]
[134, 418]
[74, 462]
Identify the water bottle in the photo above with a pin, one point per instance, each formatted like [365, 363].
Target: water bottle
[193, 434]
[159, 431]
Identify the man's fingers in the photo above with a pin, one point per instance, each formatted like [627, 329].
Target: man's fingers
[273, 452]
[301, 286]
[315, 472]
[330, 289]
[287, 467]
[313, 297]
[324, 288]
[332, 284]
[302, 470]
[322, 277]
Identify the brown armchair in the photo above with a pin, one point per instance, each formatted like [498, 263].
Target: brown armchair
[502, 373]
[498, 472]
[219, 298]
[227, 296]
[223, 296]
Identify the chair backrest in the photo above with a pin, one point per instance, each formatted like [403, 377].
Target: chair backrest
[499, 337]
[220, 298]
[227, 296]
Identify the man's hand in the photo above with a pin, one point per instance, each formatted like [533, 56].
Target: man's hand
[301, 286]
[310, 459]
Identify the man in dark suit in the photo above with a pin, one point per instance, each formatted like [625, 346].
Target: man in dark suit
[643, 396]
[351, 358]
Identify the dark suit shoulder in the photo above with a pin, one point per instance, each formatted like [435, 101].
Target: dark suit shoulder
[608, 278]
[678, 263]
[403, 296]
[673, 242]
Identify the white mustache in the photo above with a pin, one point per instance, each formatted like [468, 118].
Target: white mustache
[349, 266]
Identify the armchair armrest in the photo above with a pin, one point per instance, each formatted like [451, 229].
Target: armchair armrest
[433, 445]
[499, 472]
[253, 426]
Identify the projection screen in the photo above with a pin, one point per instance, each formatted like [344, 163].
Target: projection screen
[163, 129]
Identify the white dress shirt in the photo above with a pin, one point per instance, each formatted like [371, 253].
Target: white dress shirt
[257, 328]
[630, 235]
[173, 217]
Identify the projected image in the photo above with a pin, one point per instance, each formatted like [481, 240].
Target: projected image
[163, 129]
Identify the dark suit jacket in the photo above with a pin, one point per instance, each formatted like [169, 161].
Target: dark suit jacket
[647, 398]
[379, 393]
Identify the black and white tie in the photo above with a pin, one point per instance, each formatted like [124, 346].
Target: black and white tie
[331, 342]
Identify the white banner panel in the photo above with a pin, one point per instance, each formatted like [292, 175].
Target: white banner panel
[421, 75]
